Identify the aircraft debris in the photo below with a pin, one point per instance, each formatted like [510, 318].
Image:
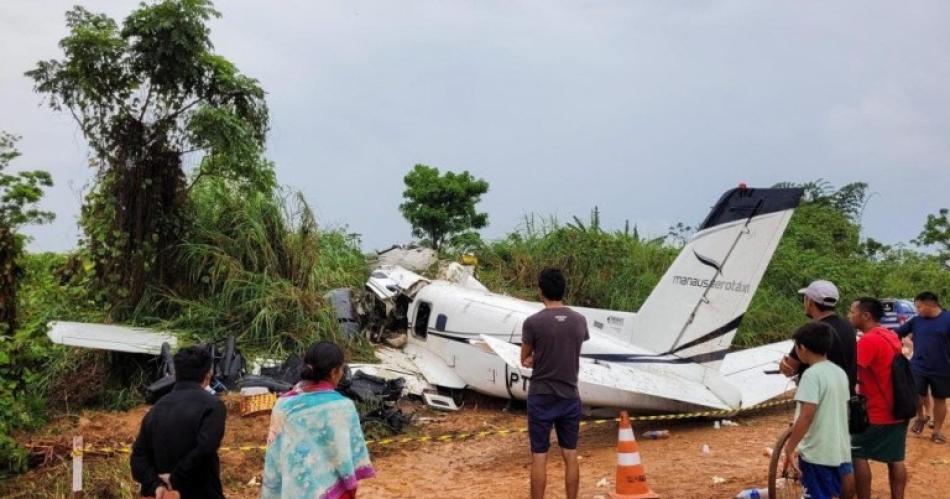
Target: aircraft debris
[110, 337]
[439, 402]
[411, 257]
[341, 300]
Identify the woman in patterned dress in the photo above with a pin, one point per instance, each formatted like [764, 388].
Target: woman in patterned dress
[315, 446]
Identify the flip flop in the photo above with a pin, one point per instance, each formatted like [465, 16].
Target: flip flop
[938, 438]
[918, 426]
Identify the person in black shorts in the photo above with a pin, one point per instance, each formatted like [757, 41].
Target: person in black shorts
[551, 345]
[930, 331]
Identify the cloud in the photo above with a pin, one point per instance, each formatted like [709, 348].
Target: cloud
[648, 110]
[891, 127]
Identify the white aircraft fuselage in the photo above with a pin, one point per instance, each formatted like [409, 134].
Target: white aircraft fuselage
[673, 355]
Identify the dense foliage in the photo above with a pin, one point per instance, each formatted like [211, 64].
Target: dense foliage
[258, 266]
[937, 233]
[147, 95]
[441, 208]
[30, 366]
[618, 269]
[19, 194]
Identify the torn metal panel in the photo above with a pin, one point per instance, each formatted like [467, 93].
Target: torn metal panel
[463, 275]
[439, 402]
[388, 281]
[344, 311]
[413, 258]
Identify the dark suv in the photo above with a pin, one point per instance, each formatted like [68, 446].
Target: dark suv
[897, 312]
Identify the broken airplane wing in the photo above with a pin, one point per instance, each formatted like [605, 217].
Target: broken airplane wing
[109, 337]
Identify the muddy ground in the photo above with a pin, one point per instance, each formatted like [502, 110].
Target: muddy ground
[491, 466]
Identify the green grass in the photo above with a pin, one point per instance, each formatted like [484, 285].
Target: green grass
[618, 269]
[258, 267]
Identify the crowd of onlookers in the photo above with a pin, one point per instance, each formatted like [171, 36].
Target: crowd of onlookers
[857, 395]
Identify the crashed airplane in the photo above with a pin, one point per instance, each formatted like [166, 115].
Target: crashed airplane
[671, 356]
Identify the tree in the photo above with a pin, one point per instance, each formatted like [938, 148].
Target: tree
[937, 233]
[874, 249]
[19, 194]
[849, 200]
[441, 208]
[146, 96]
[680, 234]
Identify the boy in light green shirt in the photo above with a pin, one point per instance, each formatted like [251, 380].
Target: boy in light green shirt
[819, 446]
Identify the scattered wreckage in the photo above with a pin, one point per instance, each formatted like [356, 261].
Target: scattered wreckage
[451, 333]
[376, 390]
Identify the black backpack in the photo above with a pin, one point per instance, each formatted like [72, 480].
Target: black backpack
[905, 390]
[903, 387]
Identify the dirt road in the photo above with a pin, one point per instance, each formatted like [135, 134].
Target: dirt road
[493, 466]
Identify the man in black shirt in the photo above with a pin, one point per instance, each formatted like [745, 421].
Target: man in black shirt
[177, 446]
[820, 298]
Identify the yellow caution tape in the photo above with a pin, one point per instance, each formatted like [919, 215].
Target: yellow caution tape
[484, 433]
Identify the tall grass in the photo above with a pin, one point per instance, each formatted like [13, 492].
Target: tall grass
[258, 269]
[605, 269]
[618, 269]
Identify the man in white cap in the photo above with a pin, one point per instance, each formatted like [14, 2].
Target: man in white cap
[819, 301]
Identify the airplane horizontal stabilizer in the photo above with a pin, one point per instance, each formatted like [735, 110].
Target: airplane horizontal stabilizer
[614, 385]
[746, 369]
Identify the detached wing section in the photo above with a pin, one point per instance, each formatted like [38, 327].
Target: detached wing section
[614, 385]
[108, 337]
[746, 370]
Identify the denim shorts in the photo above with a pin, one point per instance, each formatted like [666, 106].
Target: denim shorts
[545, 411]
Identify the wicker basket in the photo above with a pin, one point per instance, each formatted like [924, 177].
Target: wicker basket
[257, 404]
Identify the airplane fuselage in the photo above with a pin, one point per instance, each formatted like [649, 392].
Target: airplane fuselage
[447, 324]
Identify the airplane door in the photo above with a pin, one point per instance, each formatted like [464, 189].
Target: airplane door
[420, 322]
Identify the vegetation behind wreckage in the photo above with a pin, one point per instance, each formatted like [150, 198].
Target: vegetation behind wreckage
[618, 269]
[258, 266]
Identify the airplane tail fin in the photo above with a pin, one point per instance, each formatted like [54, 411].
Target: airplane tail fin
[694, 311]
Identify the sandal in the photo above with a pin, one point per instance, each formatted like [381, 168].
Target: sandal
[918, 426]
[938, 438]
[932, 424]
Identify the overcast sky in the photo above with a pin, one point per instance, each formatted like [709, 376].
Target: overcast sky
[648, 110]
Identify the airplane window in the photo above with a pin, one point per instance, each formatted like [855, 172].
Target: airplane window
[440, 321]
[421, 326]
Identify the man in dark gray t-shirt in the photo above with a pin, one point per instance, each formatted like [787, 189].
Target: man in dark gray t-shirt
[555, 336]
[551, 345]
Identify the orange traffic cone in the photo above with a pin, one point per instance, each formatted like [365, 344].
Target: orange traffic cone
[631, 478]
